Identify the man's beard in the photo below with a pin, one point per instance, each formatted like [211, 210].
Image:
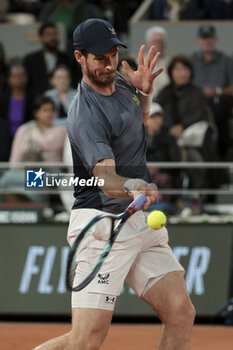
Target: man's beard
[51, 46]
[107, 78]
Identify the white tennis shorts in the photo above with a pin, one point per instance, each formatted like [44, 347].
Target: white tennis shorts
[140, 255]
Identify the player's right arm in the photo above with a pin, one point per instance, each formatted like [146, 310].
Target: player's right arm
[115, 185]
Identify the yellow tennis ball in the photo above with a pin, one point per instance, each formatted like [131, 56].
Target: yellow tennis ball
[156, 220]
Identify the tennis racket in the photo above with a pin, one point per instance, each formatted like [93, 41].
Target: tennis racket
[113, 233]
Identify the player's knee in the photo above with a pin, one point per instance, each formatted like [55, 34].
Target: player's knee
[182, 313]
[188, 314]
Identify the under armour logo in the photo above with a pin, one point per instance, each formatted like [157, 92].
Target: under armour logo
[110, 300]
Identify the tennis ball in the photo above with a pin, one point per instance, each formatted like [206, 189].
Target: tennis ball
[156, 220]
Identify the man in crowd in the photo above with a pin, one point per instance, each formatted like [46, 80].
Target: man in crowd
[213, 71]
[41, 63]
[156, 36]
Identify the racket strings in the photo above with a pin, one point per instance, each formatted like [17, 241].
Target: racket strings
[71, 275]
[89, 254]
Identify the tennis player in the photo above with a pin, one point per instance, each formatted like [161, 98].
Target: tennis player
[107, 136]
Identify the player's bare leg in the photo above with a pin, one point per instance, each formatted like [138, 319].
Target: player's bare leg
[58, 343]
[170, 300]
[89, 330]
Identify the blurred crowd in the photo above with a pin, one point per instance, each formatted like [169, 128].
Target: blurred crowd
[191, 114]
[191, 9]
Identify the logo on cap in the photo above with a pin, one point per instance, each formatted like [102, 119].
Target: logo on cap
[112, 30]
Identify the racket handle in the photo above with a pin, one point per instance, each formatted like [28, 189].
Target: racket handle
[138, 202]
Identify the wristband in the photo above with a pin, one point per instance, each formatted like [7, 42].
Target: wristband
[143, 93]
[145, 100]
[130, 184]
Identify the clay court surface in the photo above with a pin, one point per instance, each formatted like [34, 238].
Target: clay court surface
[25, 336]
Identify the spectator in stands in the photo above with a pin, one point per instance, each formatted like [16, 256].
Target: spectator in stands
[162, 147]
[62, 93]
[70, 13]
[40, 64]
[185, 113]
[16, 103]
[35, 141]
[39, 139]
[214, 74]
[3, 69]
[157, 36]
[182, 101]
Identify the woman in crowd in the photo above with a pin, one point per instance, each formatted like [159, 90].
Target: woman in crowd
[62, 93]
[16, 103]
[39, 139]
[183, 103]
[185, 116]
[35, 141]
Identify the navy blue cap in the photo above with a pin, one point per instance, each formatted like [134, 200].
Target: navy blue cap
[206, 31]
[96, 36]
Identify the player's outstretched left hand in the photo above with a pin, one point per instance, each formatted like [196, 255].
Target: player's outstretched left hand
[143, 77]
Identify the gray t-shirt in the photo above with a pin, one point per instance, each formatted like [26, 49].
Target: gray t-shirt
[101, 127]
[217, 73]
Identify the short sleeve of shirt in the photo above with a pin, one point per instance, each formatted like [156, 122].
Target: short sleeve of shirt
[91, 140]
